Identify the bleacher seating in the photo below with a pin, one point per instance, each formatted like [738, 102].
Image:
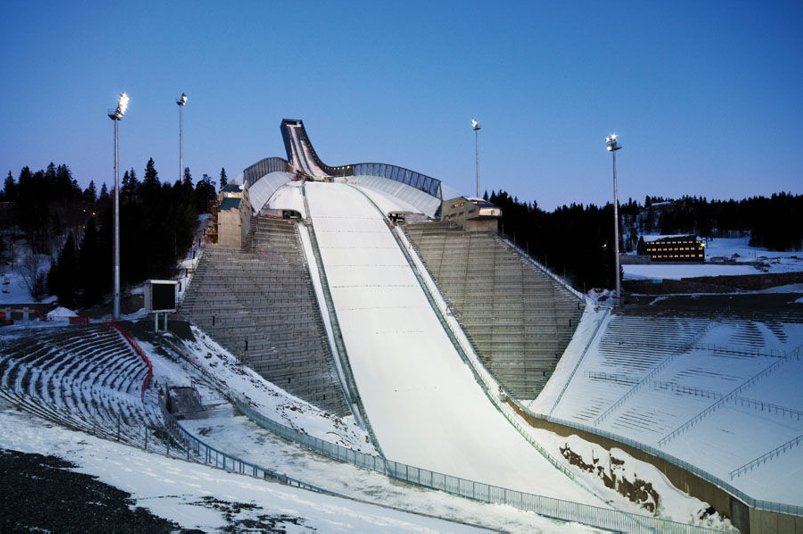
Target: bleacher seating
[679, 375]
[84, 378]
[518, 318]
[260, 305]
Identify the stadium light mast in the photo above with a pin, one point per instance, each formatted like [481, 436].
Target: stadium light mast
[475, 125]
[116, 116]
[613, 145]
[181, 101]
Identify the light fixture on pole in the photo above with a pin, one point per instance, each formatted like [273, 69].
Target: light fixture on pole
[475, 125]
[116, 116]
[181, 101]
[613, 145]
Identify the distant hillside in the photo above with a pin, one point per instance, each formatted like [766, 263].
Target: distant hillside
[576, 240]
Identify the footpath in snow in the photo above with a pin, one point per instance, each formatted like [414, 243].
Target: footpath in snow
[422, 401]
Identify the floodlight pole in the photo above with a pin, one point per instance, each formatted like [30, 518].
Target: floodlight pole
[116, 311]
[476, 126]
[116, 116]
[181, 101]
[613, 146]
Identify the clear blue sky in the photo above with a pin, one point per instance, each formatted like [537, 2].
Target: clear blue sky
[707, 97]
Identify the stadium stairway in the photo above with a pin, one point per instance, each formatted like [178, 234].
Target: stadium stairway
[519, 318]
[259, 303]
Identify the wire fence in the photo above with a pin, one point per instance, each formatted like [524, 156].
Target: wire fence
[546, 506]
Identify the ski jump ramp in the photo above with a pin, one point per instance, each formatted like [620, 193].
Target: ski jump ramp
[422, 400]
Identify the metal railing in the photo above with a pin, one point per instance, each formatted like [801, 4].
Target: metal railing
[351, 389]
[767, 407]
[542, 505]
[526, 255]
[254, 172]
[792, 443]
[422, 182]
[546, 506]
[199, 451]
[462, 344]
[716, 405]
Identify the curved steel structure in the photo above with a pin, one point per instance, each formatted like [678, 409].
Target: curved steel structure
[253, 173]
[302, 155]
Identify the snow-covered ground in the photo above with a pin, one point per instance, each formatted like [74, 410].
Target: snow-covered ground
[266, 187]
[176, 489]
[157, 485]
[716, 393]
[678, 271]
[740, 258]
[386, 202]
[266, 398]
[18, 273]
[244, 439]
[407, 371]
[288, 197]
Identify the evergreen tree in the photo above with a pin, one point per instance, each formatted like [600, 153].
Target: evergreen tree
[63, 277]
[90, 194]
[187, 180]
[204, 194]
[223, 178]
[130, 186]
[150, 184]
[33, 196]
[10, 188]
[91, 266]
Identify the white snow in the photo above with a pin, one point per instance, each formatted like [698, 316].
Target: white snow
[724, 257]
[386, 202]
[739, 249]
[174, 489]
[407, 371]
[288, 197]
[673, 504]
[270, 400]
[677, 271]
[301, 156]
[730, 386]
[60, 313]
[13, 285]
[265, 187]
[242, 438]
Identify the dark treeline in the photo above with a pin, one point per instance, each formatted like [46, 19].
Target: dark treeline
[75, 227]
[577, 240]
[773, 222]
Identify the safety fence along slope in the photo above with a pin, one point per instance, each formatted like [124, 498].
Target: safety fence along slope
[546, 506]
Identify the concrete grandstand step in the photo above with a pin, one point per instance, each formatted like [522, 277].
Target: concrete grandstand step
[511, 310]
[265, 298]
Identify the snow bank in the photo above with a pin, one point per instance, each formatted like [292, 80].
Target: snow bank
[191, 494]
[60, 313]
[270, 400]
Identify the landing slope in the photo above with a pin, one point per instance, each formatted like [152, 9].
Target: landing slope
[422, 400]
